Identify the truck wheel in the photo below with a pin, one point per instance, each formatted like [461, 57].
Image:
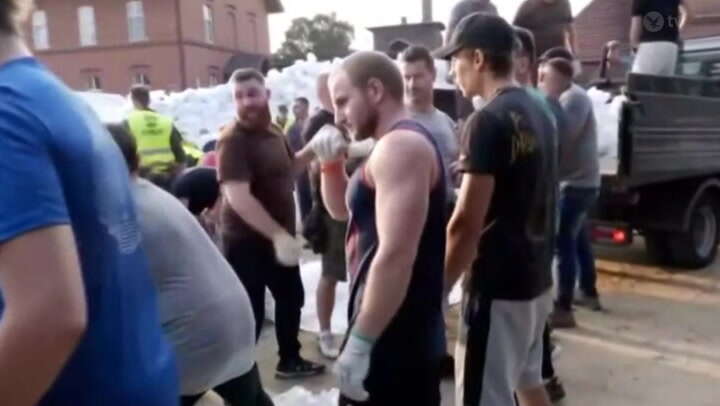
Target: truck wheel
[657, 247]
[697, 247]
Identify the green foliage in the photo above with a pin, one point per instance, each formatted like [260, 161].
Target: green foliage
[323, 35]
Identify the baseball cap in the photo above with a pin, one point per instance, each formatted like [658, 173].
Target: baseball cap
[199, 186]
[483, 31]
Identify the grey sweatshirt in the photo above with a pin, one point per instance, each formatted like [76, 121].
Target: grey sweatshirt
[579, 166]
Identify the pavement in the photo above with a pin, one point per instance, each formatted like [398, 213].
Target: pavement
[657, 343]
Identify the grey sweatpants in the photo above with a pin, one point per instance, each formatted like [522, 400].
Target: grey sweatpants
[499, 350]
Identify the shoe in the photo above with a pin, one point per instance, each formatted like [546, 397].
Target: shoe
[588, 302]
[447, 367]
[555, 389]
[562, 318]
[328, 349]
[298, 368]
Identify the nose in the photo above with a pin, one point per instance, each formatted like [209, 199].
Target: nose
[452, 74]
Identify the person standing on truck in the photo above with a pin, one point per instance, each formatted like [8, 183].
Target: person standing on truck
[550, 21]
[465, 8]
[502, 230]
[579, 189]
[160, 144]
[655, 34]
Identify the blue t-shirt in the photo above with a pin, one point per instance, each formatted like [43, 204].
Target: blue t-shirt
[58, 165]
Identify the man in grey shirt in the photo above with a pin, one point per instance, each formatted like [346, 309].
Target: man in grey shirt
[580, 184]
[204, 309]
[418, 69]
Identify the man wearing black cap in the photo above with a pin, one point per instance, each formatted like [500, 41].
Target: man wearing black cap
[502, 227]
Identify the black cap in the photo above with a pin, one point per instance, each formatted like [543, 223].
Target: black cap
[199, 186]
[557, 52]
[482, 31]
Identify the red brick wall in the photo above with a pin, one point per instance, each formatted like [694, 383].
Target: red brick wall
[115, 59]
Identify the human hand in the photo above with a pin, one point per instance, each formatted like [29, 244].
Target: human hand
[352, 368]
[288, 249]
[328, 144]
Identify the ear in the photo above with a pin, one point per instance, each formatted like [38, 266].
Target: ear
[478, 59]
[375, 90]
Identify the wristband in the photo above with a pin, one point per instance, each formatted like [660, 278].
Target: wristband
[332, 166]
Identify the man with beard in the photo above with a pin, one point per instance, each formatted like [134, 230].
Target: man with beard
[503, 225]
[395, 245]
[256, 172]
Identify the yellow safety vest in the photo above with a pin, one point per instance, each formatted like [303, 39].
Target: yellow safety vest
[152, 133]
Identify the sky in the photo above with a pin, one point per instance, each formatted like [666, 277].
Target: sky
[373, 13]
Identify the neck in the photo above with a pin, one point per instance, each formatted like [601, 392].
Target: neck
[493, 84]
[12, 47]
[523, 79]
[421, 106]
[391, 114]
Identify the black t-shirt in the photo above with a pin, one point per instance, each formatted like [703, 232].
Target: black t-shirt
[513, 139]
[660, 19]
[199, 186]
[315, 123]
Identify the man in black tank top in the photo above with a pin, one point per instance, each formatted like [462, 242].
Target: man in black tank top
[396, 241]
[503, 227]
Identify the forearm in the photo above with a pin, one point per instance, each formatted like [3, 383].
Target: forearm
[254, 214]
[635, 31]
[33, 351]
[571, 38]
[333, 186]
[461, 250]
[387, 285]
[302, 160]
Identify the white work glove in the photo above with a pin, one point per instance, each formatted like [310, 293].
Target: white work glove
[352, 368]
[329, 144]
[361, 149]
[288, 249]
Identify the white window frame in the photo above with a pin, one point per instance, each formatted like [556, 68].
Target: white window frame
[137, 30]
[209, 24]
[141, 78]
[94, 81]
[41, 35]
[87, 26]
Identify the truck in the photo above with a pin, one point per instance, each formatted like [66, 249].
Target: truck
[665, 183]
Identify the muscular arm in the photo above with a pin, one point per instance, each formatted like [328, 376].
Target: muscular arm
[466, 225]
[250, 209]
[302, 160]
[333, 186]
[402, 179]
[45, 312]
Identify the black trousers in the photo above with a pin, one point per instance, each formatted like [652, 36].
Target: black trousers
[245, 390]
[415, 387]
[255, 264]
[548, 370]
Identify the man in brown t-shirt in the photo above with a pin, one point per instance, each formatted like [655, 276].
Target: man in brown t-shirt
[257, 172]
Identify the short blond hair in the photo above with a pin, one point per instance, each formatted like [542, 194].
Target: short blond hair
[12, 14]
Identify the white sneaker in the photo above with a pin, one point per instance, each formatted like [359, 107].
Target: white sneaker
[327, 345]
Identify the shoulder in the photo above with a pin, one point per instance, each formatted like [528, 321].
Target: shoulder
[405, 149]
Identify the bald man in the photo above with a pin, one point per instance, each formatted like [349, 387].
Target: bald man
[396, 239]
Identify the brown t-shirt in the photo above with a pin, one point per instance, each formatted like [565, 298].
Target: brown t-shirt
[548, 22]
[263, 159]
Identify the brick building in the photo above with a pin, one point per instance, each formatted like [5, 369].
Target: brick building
[170, 44]
[606, 20]
[393, 39]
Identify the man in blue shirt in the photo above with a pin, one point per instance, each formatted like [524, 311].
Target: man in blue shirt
[79, 323]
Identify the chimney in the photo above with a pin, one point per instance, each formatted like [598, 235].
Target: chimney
[427, 11]
[403, 20]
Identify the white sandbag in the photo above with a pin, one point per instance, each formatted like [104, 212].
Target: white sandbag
[298, 396]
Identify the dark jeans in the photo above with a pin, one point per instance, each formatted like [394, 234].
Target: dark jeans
[304, 194]
[414, 387]
[245, 390]
[548, 369]
[575, 256]
[255, 264]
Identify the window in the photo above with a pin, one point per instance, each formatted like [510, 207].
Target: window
[214, 76]
[252, 19]
[234, 27]
[94, 82]
[86, 21]
[136, 21]
[41, 38]
[209, 24]
[141, 79]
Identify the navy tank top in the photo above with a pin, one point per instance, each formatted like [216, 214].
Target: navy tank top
[416, 333]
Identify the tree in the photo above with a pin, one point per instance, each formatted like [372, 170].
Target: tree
[324, 35]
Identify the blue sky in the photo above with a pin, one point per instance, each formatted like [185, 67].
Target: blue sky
[369, 13]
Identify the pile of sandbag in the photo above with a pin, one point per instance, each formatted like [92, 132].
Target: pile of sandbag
[298, 396]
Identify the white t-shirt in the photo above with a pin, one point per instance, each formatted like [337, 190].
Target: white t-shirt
[204, 308]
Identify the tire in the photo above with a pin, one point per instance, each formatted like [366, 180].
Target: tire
[697, 247]
[657, 247]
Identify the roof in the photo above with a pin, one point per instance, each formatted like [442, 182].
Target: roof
[274, 6]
